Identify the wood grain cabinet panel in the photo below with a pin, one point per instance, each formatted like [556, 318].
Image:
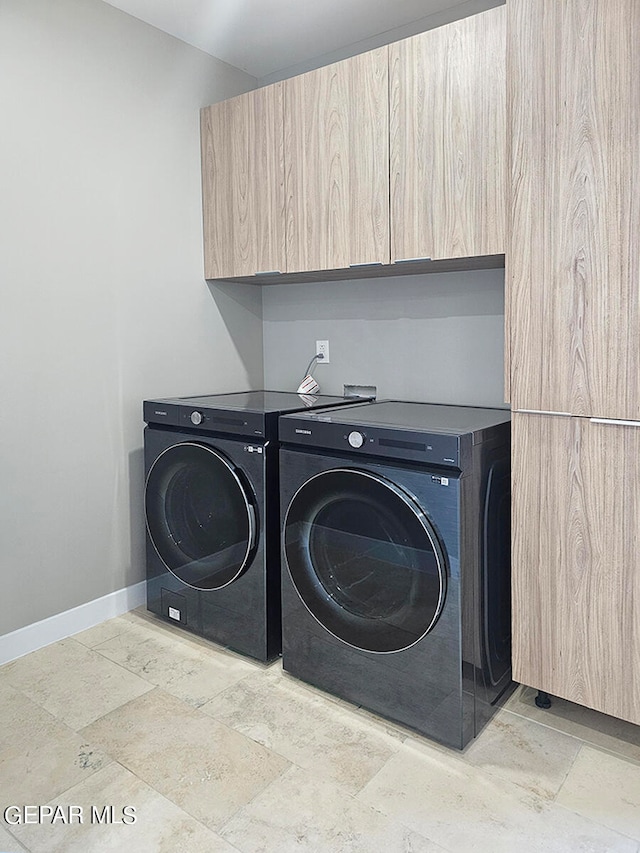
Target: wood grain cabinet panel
[337, 164]
[576, 581]
[448, 140]
[243, 184]
[574, 264]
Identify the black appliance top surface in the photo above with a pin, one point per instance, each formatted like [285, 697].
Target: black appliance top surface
[416, 417]
[261, 402]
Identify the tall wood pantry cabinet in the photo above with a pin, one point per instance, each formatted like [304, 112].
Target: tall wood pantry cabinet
[574, 296]
[388, 156]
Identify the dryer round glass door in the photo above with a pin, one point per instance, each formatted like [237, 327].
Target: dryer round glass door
[199, 515]
[365, 560]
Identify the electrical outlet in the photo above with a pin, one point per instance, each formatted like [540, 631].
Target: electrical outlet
[322, 348]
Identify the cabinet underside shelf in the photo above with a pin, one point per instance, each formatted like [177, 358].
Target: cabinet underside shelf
[419, 267]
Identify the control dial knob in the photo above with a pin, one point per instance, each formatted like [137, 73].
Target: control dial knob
[355, 439]
[196, 418]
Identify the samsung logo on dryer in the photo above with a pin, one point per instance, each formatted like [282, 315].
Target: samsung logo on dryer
[304, 431]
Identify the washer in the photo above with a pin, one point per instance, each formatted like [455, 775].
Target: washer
[211, 508]
[396, 540]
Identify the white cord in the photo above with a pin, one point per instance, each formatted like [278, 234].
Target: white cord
[315, 358]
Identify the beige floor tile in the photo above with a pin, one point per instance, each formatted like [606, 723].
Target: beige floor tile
[8, 843]
[160, 826]
[305, 812]
[74, 683]
[189, 671]
[143, 615]
[40, 757]
[521, 751]
[311, 732]
[208, 769]
[102, 632]
[598, 729]
[356, 783]
[22, 721]
[605, 788]
[462, 808]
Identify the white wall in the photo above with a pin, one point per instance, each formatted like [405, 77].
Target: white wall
[103, 297]
[437, 338]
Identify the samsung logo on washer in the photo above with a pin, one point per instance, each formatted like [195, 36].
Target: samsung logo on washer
[304, 431]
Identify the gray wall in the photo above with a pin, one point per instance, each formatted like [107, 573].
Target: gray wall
[430, 337]
[455, 11]
[103, 298]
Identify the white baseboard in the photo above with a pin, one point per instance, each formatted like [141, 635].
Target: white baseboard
[32, 637]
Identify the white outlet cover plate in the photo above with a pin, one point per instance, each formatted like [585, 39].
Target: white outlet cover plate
[323, 347]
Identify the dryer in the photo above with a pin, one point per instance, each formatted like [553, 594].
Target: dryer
[211, 510]
[396, 542]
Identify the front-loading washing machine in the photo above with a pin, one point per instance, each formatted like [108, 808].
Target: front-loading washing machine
[396, 542]
[212, 519]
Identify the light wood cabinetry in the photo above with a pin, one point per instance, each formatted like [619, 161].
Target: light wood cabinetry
[574, 268]
[243, 184]
[576, 588]
[573, 291]
[336, 132]
[448, 140]
[394, 154]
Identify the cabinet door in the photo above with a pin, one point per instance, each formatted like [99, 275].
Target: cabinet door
[574, 267]
[448, 142]
[337, 164]
[243, 184]
[576, 538]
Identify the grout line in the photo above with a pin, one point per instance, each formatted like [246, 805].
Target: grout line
[119, 707]
[598, 823]
[596, 746]
[277, 779]
[566, 775]
[21, 844]
[542, 724]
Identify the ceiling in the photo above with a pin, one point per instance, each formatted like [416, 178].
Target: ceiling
[263, 37]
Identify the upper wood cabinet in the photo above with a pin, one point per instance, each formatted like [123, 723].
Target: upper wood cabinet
[243, 184]
[574, 264]
[576, 585]
[394, 154]
[448, 140]
[336, 141]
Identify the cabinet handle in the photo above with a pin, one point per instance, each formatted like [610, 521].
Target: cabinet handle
[614, 421]
[268, 272]
[542, 412]
[410, 260]
[367, 264]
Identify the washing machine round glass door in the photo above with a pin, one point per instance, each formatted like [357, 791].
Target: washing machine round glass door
[200, 516]
[365, 560]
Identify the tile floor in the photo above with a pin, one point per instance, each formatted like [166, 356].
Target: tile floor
[217, 753]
